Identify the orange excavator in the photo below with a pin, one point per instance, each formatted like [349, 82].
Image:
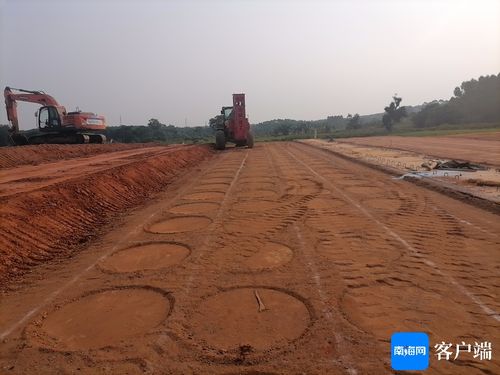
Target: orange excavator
[54, 123]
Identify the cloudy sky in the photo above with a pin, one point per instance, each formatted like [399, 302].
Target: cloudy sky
[180, 61]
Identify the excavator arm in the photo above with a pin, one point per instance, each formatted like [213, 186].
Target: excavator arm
[11, 99]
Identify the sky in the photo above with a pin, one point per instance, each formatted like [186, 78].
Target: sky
[180, 61]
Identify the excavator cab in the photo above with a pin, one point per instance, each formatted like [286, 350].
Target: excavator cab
[48, 118]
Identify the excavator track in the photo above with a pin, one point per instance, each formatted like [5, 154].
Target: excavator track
[58, 138]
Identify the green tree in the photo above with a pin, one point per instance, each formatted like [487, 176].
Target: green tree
[154, 124]
[476, 100]
[458, 92]
[353, 122]
[393, 113]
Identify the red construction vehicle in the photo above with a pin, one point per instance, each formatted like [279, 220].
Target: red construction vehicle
[232, 125]
[57, 125]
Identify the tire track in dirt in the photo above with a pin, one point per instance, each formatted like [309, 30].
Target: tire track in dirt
[352, 359]
[446, 235]
[367, 305]
[288, 277]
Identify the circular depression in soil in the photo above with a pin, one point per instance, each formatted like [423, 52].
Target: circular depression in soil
[194, 208]
[205, 195]
[106, 318]
[233, 318]
[266, 256]
[251, 226]
[255, 206]
[271, 255]
[259, 193]
[217, 187]
[179, 224]
[221, 174]
[256, 185]
[148, 256]
[216, 180]
[256, 180]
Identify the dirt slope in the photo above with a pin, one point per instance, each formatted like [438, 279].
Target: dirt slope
[48, 210]
[34, 155]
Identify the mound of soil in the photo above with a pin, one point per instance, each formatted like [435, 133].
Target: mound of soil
[34, 155]
[52, 221]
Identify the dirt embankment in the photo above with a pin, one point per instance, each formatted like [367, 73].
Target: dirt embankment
[53, 220]
[34, 155]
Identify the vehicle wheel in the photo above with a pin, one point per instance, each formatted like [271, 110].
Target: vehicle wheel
[250, 140]
[220, 140]
[82, 138]
[97, 138]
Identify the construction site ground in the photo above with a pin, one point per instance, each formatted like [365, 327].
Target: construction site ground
[475, 147]
[404, 155]
[282, 259]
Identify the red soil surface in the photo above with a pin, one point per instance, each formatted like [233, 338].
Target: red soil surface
[478, 148]
[49, 210]
[283, 259]
[34, 155]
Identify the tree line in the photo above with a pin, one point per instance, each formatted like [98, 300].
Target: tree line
[474, 101]
[155, 131]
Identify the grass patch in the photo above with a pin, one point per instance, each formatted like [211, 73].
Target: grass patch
[403, 130]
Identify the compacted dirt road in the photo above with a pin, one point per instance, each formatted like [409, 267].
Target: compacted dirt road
[276, 260]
